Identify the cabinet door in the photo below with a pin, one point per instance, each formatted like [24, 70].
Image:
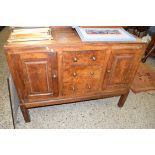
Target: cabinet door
[39, 71]
[121, 68]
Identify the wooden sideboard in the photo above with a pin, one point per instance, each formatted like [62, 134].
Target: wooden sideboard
[65, 69]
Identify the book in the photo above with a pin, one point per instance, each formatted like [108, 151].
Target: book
[30, 34]
[104, 34]
[26, 30]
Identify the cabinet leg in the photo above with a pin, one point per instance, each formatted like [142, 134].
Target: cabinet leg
[25, 113]
[122, 99]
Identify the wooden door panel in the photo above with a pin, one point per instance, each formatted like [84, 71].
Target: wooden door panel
[40, 74]
[120, 70]
[37, 76]
[37, 72]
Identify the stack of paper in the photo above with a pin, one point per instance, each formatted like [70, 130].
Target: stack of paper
[30, 34]
[104, 34]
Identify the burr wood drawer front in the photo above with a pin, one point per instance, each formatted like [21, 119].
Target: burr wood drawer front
[82, 86]
[81, 72]
[83, 57]
[83, 79]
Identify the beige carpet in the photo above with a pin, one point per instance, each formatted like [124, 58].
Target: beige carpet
[138, 111]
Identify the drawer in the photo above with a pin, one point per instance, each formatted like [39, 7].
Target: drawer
[83, 57]
[79, 73]
[81, 86]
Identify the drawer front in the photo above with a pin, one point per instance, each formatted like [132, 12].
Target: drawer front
[80, 80]
[83, 57]
[80, 86]
[80, 73]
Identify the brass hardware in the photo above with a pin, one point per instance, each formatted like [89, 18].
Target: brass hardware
[92, 73]
[75, 59]
[54, 76]
[93, 58]
[74, 74]
[73, 88]
[108, 71]
[89, 86]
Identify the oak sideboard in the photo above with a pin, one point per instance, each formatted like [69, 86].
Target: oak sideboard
[65, 69]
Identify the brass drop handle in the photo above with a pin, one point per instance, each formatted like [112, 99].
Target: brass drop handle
[91, 73]
[54, 76]
[75, 59]
[89, 86]
[73, 88]
[74, 74]
[93, 58]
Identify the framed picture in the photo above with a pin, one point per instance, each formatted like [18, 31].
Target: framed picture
[104, 34]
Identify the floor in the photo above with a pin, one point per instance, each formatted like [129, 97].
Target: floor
[138, 111]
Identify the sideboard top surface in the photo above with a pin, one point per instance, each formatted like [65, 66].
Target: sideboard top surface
[66, 36]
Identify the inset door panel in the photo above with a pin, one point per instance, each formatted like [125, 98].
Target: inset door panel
[38, 77]
[120, 70]
[40, 74]
[121, 65]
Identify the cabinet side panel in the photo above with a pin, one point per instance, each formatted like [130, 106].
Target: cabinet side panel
[17, 74]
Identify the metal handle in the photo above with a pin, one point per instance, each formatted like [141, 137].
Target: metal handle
[108, 71]
[54, 76]
[93, 58]
[75, 59]
[89, 86]
[74, 74]
[73, 88]
[91, 73]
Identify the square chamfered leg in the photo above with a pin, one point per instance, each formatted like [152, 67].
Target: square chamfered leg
[122, 99]
[25, 113]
